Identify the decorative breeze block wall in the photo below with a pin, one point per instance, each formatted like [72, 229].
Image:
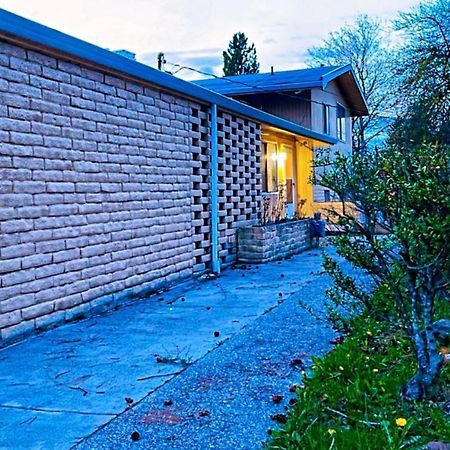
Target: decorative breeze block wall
[239, 151]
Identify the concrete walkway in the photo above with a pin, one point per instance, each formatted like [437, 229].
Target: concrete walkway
[60, 387]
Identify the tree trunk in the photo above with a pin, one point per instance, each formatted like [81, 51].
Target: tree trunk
[429, 361]
[429, 367]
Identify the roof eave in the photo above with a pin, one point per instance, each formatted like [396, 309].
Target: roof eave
[336, 73]
[16, 27]
[261, 90]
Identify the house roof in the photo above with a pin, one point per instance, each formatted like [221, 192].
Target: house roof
[23, 31]
[292, 80]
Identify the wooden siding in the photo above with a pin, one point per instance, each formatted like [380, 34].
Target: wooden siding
[297, 110]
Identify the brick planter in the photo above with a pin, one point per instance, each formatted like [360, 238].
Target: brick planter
[262, 243]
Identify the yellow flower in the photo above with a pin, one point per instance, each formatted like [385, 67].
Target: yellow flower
[369, 333]
[341, 368]
[331, 431]
[374, 370]
[401, 422]
[367, 358]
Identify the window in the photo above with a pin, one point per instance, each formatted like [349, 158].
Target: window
[326, 119]
[326, 195]
[341, 123]
[270, 167]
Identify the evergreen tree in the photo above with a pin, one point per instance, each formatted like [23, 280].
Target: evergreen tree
[240, 58]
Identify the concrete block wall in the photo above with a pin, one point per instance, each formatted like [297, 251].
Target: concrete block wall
[273, 241]
[239, 182]
[97, 190]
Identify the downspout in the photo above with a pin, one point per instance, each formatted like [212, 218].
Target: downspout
[214, 193]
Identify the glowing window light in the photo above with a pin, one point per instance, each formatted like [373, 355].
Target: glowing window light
[279, 157]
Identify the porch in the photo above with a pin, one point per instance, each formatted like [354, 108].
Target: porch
[286, 169]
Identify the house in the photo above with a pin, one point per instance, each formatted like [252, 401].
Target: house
[323, 99]
[117, 180]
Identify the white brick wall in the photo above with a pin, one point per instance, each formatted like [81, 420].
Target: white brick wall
[96, 178]
[94, 188]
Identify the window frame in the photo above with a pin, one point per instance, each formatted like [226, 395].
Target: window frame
[341, 123]
[264, 173]
[326, 118]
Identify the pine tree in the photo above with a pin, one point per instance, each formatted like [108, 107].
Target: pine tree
[240, 58]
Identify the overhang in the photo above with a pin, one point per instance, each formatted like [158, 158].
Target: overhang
[22, 31]
[291, 81]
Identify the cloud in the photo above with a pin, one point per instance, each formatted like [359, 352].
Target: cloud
[194, 32]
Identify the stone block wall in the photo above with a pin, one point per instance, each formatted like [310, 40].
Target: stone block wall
[104, 188]
[274, 241]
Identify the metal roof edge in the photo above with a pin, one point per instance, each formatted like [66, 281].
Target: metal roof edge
[246, 90]
[330, 76]
[28, 30]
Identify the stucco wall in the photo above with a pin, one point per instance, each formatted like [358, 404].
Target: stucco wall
[100, 188]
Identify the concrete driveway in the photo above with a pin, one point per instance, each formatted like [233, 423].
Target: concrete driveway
[60, 387]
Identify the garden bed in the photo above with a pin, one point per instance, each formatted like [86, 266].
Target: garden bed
[351, 399]
[262, 243]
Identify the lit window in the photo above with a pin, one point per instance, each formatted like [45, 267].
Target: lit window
[326, 119]
[270, 167]
[341, 123]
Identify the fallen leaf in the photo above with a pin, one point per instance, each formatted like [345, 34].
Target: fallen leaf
[135, 436]
[337, 340]
[277, 398]
[280, 418]
[297, 361]
[204, 413]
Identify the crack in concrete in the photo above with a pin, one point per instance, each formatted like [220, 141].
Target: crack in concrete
[57, 411]
[149, 377]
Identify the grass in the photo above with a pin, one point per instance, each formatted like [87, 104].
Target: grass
[351, 399]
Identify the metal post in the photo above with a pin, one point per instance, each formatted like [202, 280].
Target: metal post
[214, 193]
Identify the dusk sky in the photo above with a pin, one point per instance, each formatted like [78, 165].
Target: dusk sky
[195, 32]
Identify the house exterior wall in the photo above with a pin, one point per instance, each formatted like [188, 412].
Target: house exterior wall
[307, 110]
[330, 96]
[104, 188]
[296, 108]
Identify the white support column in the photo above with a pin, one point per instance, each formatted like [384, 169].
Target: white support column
[214, 193]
